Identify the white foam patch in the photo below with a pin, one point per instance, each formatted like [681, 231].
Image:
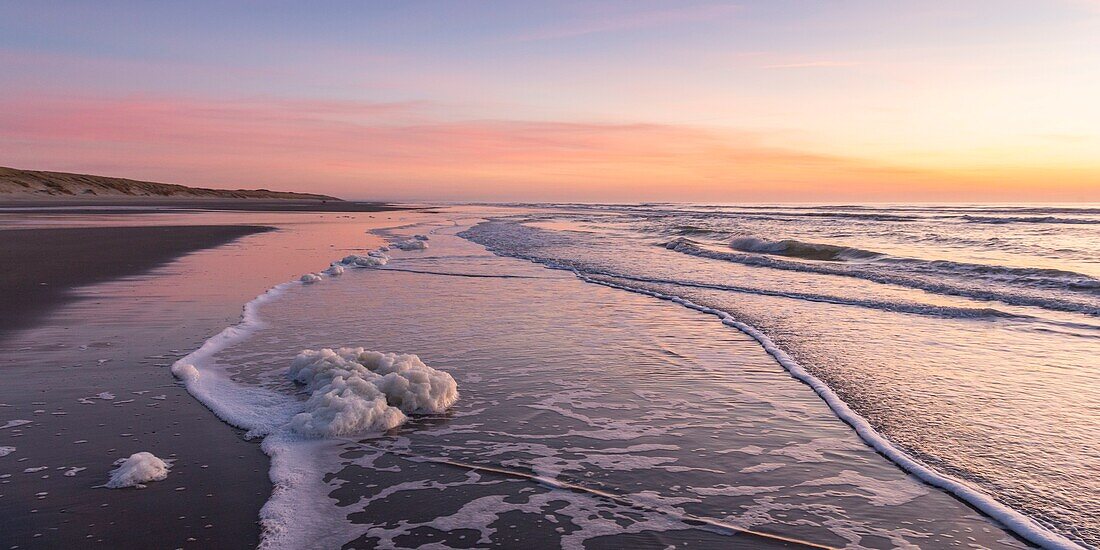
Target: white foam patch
[411, 244]
[814, 450]
[765, 467]
[267, 413]
[356, 390]
[5, 451]
[590, 515]
[185, 372]
[334, 270]
[310, 278]
[372, 259]
[138, 469]
[748, 449]
[14, 423]
[733, 490]
[880, 492]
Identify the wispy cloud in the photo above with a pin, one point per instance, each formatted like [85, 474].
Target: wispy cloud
[611, 22]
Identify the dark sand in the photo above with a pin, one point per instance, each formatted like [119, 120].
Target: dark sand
[42, 266]
[141, 205]
[217, 486]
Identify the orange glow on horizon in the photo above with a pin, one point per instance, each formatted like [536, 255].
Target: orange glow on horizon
[387, 151]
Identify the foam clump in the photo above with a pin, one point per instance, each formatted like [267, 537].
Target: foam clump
[185, 371]
[373, 258]
[137, 470]
[411, 244]
[356, 390]
[335, 270]
[310, 278]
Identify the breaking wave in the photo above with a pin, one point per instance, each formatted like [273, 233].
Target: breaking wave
[936, 276]
[1028, 219]
[799, 249]
[1013, 519]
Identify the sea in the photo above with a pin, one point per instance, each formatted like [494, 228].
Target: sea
[676, 376]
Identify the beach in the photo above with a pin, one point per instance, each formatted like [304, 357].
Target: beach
[86, 356]
[654, 275]
[45, 264]
[597, 392]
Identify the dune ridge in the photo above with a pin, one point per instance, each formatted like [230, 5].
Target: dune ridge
[16, 183]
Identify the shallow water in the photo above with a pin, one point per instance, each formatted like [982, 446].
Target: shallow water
[968, 336]
[589, 417]
[93, 385]
[592, 416]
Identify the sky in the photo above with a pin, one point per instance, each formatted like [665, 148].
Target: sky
[587, 101]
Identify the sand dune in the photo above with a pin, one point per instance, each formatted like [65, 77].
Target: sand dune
[31, 184]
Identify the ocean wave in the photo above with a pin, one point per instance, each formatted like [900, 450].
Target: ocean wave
[895, 306]
[1037, 276]
[1029, 219]
[694, 231]
[882, 305]
[1013, 519]
[1019, 523]
[804, 250]
[1034, 276]
[935, 281]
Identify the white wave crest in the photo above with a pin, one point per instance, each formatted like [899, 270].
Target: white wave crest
[804, 250]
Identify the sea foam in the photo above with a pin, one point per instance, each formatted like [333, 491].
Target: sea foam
[375, 258]
[355, 390]
[1014, 520]
[411, 244]
[340, 403]
[138, 469]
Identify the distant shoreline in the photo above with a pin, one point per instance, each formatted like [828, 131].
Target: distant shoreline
[143, 205]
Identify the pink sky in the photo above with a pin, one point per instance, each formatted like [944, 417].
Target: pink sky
[610, 101]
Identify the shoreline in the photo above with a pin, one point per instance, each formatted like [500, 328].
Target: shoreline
[1016, 522]
[125, 302]
[70, 429]
[52, 262]
[142, 205]
[371, 525]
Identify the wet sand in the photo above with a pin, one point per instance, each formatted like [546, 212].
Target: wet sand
[42, 266]
[125, 302]
[43, 269]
